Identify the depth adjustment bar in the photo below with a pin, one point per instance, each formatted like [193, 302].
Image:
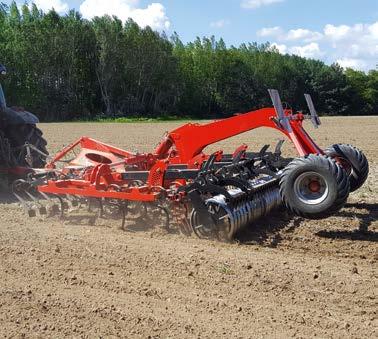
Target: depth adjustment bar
[277, 103]
[313, 114]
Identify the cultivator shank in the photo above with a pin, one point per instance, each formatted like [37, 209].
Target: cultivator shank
[212, 195]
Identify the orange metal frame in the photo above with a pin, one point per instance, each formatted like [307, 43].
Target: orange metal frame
[189, 140]
[181, 146]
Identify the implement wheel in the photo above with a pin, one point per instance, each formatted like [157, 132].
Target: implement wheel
[353, 161]
[314, 187]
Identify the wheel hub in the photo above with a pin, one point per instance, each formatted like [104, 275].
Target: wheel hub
[314, 186]
[311, 188]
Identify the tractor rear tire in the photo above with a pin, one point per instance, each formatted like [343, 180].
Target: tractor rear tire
[29, 134]
[314, 186]
[353, 161]
[6, 157]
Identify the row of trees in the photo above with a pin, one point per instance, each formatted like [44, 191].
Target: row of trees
[65, 67]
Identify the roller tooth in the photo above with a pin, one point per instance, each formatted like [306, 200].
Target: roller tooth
[245, 213]
[235, 213]
[237, 218]
[249, 209]
[233, 223]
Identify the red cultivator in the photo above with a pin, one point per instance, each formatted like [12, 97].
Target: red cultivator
[212, 195]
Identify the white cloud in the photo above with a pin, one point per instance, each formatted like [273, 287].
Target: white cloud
[351, 63]
[311, 50]
[253, 4]
[46, 5]
[270, 31]
[337, 32]
[292, 35]
[219, 23]
[373, 29]
[353, 46]
[280, 47]
[303, 34]
[153, 15]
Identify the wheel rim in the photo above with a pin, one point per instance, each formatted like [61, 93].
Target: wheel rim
[311, 188]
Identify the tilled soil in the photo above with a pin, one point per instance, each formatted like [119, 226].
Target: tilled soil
[282, 277]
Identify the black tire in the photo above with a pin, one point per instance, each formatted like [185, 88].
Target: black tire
[6, 156]
[353, 161]
[19, 136]
[314, 186]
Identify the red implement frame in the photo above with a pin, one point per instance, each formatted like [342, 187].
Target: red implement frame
[101, 165]
[190, 139]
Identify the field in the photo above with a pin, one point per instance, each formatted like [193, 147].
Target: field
[283, 277]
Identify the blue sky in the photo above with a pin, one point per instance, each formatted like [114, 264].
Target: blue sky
[332, 30]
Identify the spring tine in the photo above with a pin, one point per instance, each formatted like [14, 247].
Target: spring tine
[50, 203]
[42, 209]
[263, 150]
[63, 205]
[166, 211]
[90, 205]
[21, 200]
[101, 207]
[123, 208]
[277, 150]
[18, 187]
[72, 200]
[31, 196]
[45, 196]
[29, 208]
[144, 210]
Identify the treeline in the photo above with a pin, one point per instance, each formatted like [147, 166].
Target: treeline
[65, 67]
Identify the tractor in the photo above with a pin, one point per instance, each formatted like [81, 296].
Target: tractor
[22, 145]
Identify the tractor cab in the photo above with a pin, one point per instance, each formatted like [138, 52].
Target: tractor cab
[13, 115]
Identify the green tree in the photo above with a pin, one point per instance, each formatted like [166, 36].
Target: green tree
[66, 67]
